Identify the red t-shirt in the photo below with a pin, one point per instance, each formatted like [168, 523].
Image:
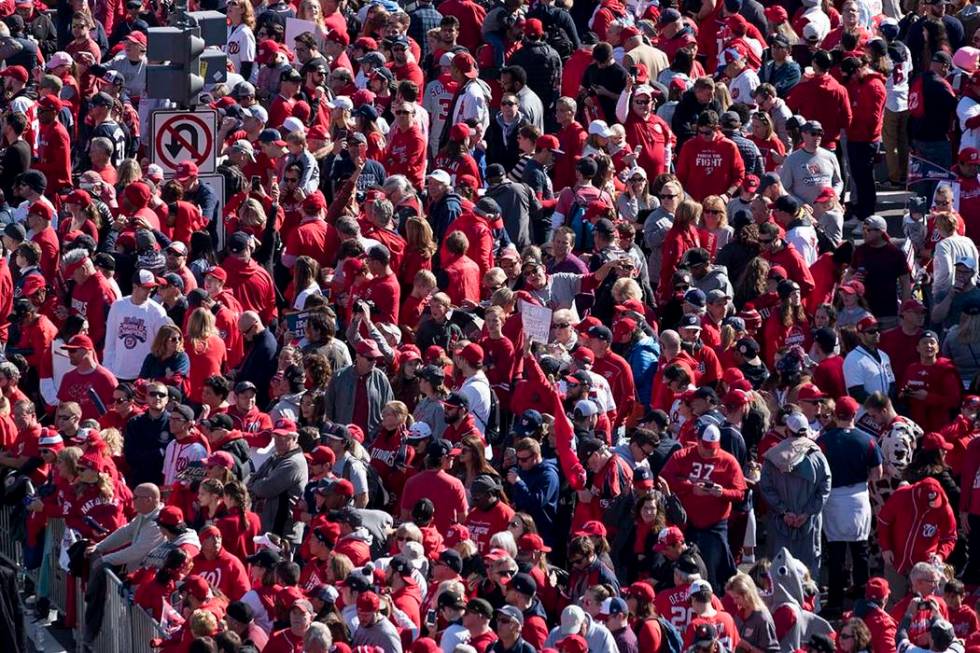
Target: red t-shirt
[674, 606]
[483, 524]
[284, 641]
[385, 293]
[226, 573]
[309, 239]
[724, 626]
[206, 359]
[75, 386]
[687, 467]
[964, 621]
[436, 483]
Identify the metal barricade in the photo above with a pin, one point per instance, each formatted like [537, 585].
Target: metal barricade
[142, 628]
[58, 578]
[115, 634]
[10, 546]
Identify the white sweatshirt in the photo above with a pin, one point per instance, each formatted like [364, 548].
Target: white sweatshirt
[130, 330]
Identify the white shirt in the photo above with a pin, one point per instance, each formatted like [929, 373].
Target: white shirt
[966, 109]
[743, 85]
[130, 330]
[944, 258]
[861, 369]
[804, 239]
[897, 84]
[178, 455]
[477, 390]
[473, 103]
[241, 47]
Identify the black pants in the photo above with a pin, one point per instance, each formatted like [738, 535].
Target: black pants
[972, 574]
[837, 554]
[861, 159]
[713, 544]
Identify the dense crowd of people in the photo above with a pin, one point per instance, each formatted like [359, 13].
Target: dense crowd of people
[516, 327]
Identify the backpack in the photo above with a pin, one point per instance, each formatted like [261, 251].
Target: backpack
[378, 497]
[556, 37]
[491, 427]
[670, 639]
[583, 228]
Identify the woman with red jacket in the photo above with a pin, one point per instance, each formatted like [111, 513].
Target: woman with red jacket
[205, 349]
[787, 325]
[239, 525]
[95, 510]
[682, 236]
[151, 593]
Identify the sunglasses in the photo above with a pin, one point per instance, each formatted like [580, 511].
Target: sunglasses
[561, 325]
[524, 459]
[508, 104]
[873, 331]
[404, 113]
[120, 400]
[158, 395]
[665, 196]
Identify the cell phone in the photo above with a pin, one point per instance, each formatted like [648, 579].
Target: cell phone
[256, 183]
[430, 617]
[341, 133]
[634, 71]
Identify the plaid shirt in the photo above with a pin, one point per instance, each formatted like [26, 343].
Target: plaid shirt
[424, 18]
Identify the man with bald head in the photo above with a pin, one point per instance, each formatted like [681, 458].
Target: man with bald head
[671, 354]
[259, 362]
[124, 550]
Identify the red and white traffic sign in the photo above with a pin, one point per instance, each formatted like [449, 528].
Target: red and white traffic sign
[185, 136]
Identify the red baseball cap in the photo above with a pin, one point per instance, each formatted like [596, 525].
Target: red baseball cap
[810, 392]
[935, 442]
[970, 155]
[15, 72]
[457, 533]
[139, 38]
[641, 591]
[533, 27]
[548, 142]
[912, 305]
[220, 459]
[466, 65]
[218, 273]
[32, 284]
[170, 516]
[368, 602]
[877, 589]
[186, 170]
[197, 587]
[42, 209]
[825, 195]
[668, 537]
[592, 528]
[846, 408]
[79, 341]
[532, 542]
[472, 353]
[865, 324]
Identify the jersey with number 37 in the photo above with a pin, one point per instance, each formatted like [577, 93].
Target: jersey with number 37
[687, 469]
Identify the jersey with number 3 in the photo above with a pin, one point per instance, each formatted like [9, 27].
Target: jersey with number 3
[437, 100]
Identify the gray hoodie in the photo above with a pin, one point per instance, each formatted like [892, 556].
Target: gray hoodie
[599, 638]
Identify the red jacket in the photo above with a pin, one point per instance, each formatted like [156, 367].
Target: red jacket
[619, 374]
[572, 139]
[676, 242]
[867, 95]
[913, 530]
[789, 257]
[776, 336]
[824, 99]
[405, 154]
[54, 155]
[882, 627]
[478, 235]
[226, 573]
[709, 167]
[959, 433]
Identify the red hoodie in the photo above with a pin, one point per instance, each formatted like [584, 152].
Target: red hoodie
[478, 235]
[687, 467]
[822, 98]
[252, 286]
[710, 167]
[959, 433]
[867, 95]
[405, 154]
[654, 135]
[226, 573]
[913, 530]
[796, 269]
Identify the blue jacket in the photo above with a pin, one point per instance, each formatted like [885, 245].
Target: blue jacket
[536, 493]
[643, 357]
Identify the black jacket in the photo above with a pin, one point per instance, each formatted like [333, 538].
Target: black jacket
[543, 66]
[144, 445]
[684, 124]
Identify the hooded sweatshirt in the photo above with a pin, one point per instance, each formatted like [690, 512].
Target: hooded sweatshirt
[822, 98]
[912, 529]
[252, 286]
[867, 95]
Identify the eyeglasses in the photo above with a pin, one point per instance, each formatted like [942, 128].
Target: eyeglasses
[508, 103]
[157, 394]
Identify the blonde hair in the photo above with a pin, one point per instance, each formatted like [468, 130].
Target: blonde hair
[714, 202]
[160, 340]
[200, 326]
[203, 623]
[113, 439]
[743, 585]
[626, 288]
[947, 222]
[251, 207]
[398, 407]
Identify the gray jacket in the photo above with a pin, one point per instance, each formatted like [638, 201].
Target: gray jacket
[517, 201]
[796, 478]
[133, 542]
[430, 411]
[277, 486]
[655, 229]
[381, 633]
[339, 399]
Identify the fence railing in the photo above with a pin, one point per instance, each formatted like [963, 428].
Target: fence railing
[126, 627]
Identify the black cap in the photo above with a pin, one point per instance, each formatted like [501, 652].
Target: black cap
[244, 386]
[439, 448]
[238, 242]
[451, 599]
[496, 171]
[240, 612]
[826, 338]
[291, 75]
[747, 347]
[401, 565]
[707, 393]
[458, 400]
[786, 287]
[941, 56]
[524, 584]
[487, 206]
[588, 446]
[705, 633]
[16, 231]
[580, 377]
[687, 564]
[601, 332]
[102, 99]
[379, 253]
[481, 607]
[787, 204]
[730, 120]
[485, 484]
[357, 582]
[219, 421]
[266, 558]
[347, 516]
[434, 374]
[697, 256]
[587, 167]
[452, 559]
